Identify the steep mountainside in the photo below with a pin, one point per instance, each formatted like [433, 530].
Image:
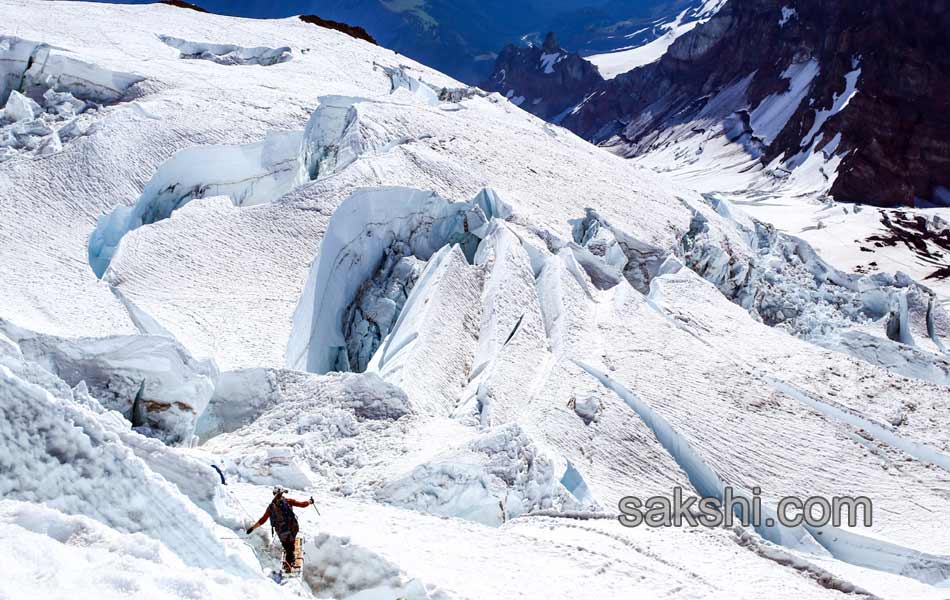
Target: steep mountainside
[866, 84]
[548, 81]
[543, 80]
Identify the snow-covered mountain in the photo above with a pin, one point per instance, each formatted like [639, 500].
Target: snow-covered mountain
[269, 253]
[549, 81]
[788, 80]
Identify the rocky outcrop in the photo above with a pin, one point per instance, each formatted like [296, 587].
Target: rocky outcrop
[546, 80]
[182, 4]
[873, 87]
[350, 30]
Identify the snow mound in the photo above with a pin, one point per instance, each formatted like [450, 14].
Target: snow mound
[47, 552]
[337, 568]
[228, 54]
[498, 476]
[300, 429]
[58, 453]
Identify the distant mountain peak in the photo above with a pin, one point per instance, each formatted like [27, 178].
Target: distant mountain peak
[550, 43]
[545, 81]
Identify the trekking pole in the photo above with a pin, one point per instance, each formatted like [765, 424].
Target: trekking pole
[314, 505]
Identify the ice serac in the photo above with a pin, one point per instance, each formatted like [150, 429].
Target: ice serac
[32, 68]
[150, 379]
[430, 350]
[228, 54]
[782, 281]
[511, 328]
[250, 174]
[400, 79]
[48, 97]
[377, 306]
[332, 139]
[367, 227]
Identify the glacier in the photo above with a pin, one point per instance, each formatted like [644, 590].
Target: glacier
[465, 332]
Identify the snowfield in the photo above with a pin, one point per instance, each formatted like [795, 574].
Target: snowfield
[622, 60]
[240, 254]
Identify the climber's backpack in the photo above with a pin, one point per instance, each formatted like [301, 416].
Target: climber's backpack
[282, 516]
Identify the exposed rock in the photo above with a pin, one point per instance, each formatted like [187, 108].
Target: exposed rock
[183, 4]
[350, 30]
[546, 80]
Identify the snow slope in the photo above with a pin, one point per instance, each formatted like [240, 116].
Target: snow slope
[611, 64]
[466, 332]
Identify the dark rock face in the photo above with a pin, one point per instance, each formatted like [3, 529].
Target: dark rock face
[894, 132]
[546, 80]
[183, 4]
[356, 32]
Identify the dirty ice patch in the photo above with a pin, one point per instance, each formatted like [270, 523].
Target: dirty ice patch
[151, 380]
[228, 54]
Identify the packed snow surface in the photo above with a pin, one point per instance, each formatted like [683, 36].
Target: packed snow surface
[277, 255]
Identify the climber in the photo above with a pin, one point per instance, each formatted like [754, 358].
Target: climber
[284, 522]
